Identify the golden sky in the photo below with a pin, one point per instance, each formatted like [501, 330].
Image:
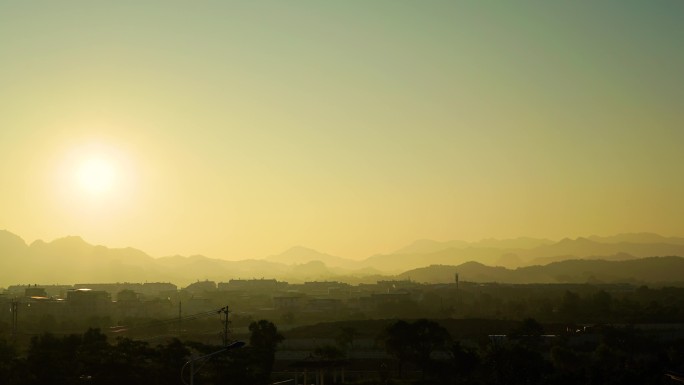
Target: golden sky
[239, 129]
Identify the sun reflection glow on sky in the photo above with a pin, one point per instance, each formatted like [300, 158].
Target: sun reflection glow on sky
[240, 129]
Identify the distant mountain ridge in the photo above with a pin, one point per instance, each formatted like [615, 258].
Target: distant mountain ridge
[71, 259]
[300, 254]
[664, 270]
[538, 251]
[429, 246]
[637, 238]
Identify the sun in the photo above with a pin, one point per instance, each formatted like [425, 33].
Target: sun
[96, 176]
[95, 173]
[93, 182]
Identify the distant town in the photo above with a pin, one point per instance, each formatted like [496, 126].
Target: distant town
[39, 308]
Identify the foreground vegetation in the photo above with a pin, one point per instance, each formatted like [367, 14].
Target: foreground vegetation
[416, 352]
[90, 358]
[475, 334]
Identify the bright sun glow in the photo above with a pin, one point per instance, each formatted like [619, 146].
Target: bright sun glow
[96, 175]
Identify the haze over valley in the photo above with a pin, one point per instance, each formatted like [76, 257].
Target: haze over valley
[633, 258]
[385, 192]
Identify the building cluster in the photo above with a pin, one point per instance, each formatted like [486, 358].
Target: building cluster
[249, 298]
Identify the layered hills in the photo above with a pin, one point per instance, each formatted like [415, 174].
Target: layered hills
[664, 270]
[636, 258]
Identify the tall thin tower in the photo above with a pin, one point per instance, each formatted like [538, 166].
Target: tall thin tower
[15, 318]
[226, 330]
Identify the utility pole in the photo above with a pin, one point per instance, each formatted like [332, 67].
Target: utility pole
[224, 310]
[179, 317]
[14, 309]
[226, 346]
[458, 291]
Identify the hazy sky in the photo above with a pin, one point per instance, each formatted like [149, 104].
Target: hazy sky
[239, 129]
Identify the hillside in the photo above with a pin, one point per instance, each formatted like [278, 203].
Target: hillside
[663, 270]
[526, 251]
[72, 259]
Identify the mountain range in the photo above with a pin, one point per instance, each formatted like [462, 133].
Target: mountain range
[619, 258]
[663, 270]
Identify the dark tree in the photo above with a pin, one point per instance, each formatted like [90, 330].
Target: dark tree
[93, 353]
[514, 364]
[570, 306]
[263, 342]
[398, 342]
[8, 362]
[465, 363]
[53, 360]
[415, 342]
[264, 335]
[169, 359]
[345, 337]
[129, 363]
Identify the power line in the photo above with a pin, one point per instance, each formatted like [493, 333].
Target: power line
[178, 320]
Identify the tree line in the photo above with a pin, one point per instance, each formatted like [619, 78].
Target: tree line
[90, 358]
[613, 355]
[422, 351]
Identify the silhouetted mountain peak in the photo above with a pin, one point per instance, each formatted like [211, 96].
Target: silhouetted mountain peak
[424, 246]
[70, 241]
[470, 264]
[513, 243]
[301, 255]
[66, 258]
[430, 246]
[38, 243]
[317, 264]
[198, 257]
[576, 241]
[301, 251]
[643, 237]
[11, 240]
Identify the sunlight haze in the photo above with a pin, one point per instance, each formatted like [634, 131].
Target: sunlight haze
[239, 129]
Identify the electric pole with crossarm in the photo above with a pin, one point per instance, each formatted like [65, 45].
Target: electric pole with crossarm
[224, 310]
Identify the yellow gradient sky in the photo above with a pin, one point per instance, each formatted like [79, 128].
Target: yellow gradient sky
[239, 129]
